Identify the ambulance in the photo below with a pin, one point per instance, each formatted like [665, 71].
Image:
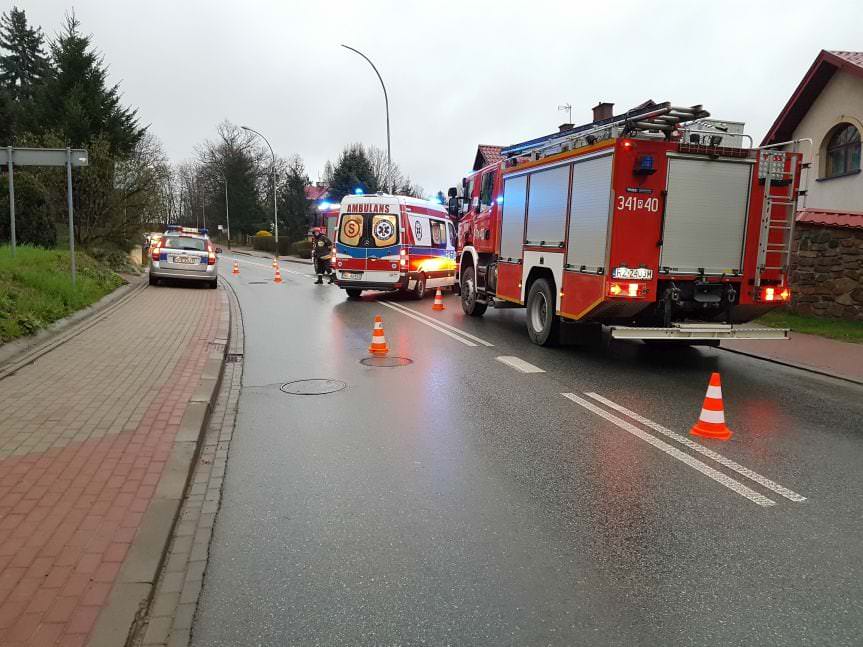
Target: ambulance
[393, 243]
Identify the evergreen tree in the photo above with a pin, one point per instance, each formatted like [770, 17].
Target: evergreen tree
[24, 64]
[352, 171]
[76, 101]
[293, 204]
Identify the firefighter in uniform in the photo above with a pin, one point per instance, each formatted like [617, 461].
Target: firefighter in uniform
[322, 253]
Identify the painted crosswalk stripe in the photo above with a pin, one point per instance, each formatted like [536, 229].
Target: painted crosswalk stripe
[701, 449]
[694, 463]
[519, 364]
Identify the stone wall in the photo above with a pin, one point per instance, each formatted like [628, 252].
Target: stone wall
[827, 271]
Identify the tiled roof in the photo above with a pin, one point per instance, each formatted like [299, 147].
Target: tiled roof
[315, 192]
[852, 219]
[820, 72]
[855, 58]
[485, 155]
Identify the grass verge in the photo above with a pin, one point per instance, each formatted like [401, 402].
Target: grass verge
[839, 329]
[36, 289]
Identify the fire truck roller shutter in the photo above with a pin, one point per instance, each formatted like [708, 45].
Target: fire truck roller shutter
[705, 215]
[512, 220]
[590, 208]
[546, 207]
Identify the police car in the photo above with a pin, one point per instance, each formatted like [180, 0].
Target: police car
[184, 253]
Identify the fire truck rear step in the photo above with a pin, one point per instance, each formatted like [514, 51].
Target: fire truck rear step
[698, 332]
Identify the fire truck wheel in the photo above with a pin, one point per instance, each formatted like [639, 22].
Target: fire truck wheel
[353, 293]
[543, 325]
[469, 304]
[419, 290]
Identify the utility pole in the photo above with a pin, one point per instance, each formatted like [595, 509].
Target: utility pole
[227, 209]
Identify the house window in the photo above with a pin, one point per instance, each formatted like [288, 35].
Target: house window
[843, 151]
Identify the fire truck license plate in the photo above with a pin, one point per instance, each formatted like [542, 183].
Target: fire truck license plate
[352, 275]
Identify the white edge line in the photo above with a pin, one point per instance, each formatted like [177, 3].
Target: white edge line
[428, 323]
[694, 463]
[701, 449]
[446, 325]
[519, 364]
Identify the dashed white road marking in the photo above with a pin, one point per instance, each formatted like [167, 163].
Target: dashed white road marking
[519, 364]
[407, 313]
[694, 463]
[701, 449]
[446, 325]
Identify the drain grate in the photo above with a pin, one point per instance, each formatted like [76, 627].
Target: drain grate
[233, 357]
[386, 362]
[313, 387]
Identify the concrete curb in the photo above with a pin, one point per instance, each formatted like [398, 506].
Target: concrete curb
[801, 367]
[20, 352]
[130, 596]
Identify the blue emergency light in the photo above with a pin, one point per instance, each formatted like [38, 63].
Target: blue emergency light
[644, 165]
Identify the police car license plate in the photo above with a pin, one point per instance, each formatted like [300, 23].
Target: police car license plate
[187, 260]
[352, 275]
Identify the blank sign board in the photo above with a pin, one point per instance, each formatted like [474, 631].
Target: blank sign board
[43, 156]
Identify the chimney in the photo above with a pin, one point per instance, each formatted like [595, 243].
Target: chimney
[565, 127]
[603, 110]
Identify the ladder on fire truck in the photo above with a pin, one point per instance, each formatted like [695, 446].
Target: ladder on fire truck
[662, 119]
[778, 168]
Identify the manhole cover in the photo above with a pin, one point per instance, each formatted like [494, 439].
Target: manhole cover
[233, 357]
[313, 387]
[386, 362]
[258, 282]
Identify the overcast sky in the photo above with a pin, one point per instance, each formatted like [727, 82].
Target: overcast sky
[458, 73]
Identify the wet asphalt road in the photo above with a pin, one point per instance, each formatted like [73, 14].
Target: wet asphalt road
[458, 501]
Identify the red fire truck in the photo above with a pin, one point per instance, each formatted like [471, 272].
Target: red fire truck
[648, 223]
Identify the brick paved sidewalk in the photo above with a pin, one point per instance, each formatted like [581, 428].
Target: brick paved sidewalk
[840, 359]
[84, 437]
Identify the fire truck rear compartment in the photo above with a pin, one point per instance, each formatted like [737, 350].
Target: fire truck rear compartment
[705, 215]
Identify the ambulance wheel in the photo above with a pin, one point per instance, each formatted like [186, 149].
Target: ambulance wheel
[543, 325]
[469, 303]
[419, 290]
[353, 293]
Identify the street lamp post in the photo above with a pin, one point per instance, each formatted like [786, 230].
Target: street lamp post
[386, 104]
[275, 201]
[227, 211]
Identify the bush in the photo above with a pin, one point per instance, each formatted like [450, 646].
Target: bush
[263, 233]
[268, 244]
[113, 257]
[302, 248]
[33, 224]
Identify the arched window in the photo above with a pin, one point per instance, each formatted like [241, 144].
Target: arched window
[843, 151]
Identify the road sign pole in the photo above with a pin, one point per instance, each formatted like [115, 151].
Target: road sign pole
[71, 214]
[11, 200]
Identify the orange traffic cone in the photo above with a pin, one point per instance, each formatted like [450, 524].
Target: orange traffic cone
[711, 422]
[379, 346]
[438, 301]
[278, 276]
[236, 268]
